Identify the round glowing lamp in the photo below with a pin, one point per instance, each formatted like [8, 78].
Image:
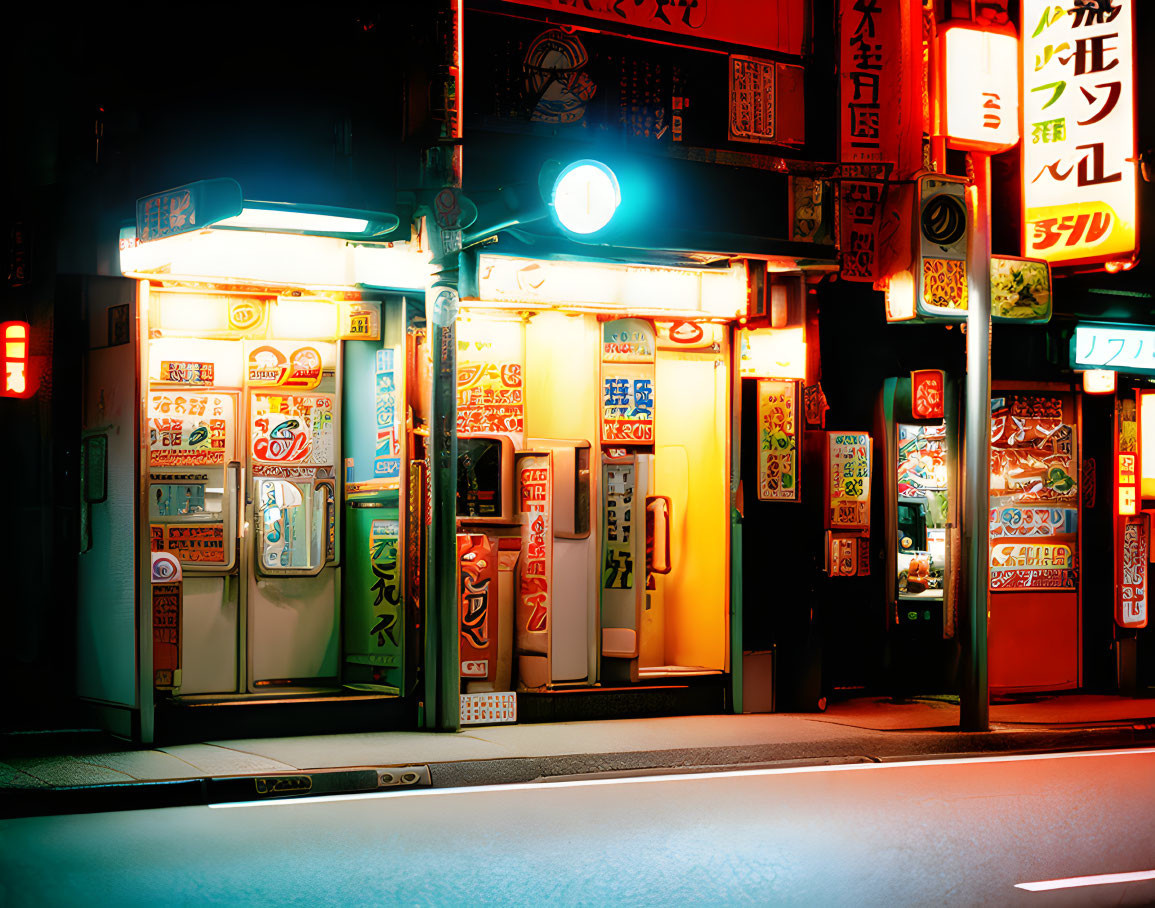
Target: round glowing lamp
[585, 196]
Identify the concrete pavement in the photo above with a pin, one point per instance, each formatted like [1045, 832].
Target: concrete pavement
[85, 771]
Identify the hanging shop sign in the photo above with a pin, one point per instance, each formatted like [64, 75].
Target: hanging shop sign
[1117, 349]
[490, 366]
[284, 366]
[980, 88]
[778, 441]
[1079, 159]
[189, 428]
[1034, 495]
[771, 26]
[387, 451]
[848, 460]
[535, 569]
[1131, 571]
[927, 393]
[477, 600]
[293, 430]
[166, 621]
[187, 208]
[627, 381]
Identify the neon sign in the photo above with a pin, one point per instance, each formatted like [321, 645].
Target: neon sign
[15, 378]
[1079, 132]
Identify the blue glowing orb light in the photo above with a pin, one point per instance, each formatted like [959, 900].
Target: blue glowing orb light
[585, 196]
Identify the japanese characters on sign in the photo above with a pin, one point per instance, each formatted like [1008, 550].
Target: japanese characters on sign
[627, 377]
[1128, 483]
[189, 428]
[848, 479]
[186, 373]
[1132, 569]
[778, 441]
[166, 614]
[286, 367]
[980, 87]
[927, 389]
[387, 454]
[387, 627]
[292, 429]
[535, 569]
[859, 230]
[1117, 349]
[618, 566]
[360, 320]
[751, 99]
[1033, 494]
[477, 560]
[1078, 131]
[199, 543]
[490, 366]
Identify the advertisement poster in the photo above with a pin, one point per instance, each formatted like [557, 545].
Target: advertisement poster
[386, 589]
[387, 456]
[477, 564]
[535, 570]
[618, 569]
[490, 390]
[628, 351]
[1134, 563]
[284, 366]
[292, 429]
[1078, 145]
[848, 479]
[190, 428]
[777, 440]
[1034, 495]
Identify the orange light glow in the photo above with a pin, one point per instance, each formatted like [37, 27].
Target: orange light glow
[15, 367]
[1099, 381]
[980, 89]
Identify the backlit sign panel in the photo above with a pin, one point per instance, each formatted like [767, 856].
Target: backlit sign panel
[1117, 349]
[981, 89]
[1078, 131]
[927, 393]
[16, 379]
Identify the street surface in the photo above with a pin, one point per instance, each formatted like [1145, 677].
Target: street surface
[954, 832]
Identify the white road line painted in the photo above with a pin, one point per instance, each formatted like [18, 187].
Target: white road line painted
[680, 777]
[1099, 879]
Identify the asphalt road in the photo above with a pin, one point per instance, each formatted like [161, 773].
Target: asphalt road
[955, 832]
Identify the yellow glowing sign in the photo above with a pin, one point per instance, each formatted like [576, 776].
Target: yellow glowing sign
[981, 90]
[1099, 381]
[1078, 132]
[772, 353]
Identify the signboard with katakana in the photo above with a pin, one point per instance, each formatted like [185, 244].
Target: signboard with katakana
[1078, 131]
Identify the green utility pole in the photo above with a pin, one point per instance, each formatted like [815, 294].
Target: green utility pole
[974, 700]
[441, 210]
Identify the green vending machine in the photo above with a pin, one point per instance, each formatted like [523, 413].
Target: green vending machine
[375, 623]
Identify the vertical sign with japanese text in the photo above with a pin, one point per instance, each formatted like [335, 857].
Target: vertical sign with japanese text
[387, 453]
[535, 569]
[490, 391]
[1079, 131]
[777, 440]
[848, 458]
[1132, 568]
[627, 377]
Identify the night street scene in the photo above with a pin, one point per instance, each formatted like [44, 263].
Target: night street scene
[579, 452]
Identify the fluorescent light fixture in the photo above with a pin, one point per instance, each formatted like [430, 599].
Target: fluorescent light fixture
[1099, 381]
[304, 221]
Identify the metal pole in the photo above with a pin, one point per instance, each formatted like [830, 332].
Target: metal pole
[974, 713]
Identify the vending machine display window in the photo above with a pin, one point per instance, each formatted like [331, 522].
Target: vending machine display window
[485, 478]
[293, 524]
[923, 511]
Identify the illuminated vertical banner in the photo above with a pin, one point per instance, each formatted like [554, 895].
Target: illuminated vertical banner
[627, 376]
[1131, 572]
[1079, 131]
[777, 440]
[16, 378]
[927, 393]
[848, 457]
[535, 571]
[490, 389]
[387, 455]
[477, 571]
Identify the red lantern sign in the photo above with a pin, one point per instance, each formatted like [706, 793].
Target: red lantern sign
[16, 371]
[927, 391]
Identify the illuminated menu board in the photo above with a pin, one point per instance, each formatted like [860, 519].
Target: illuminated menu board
[1034, 495]
[848, 480]
[1078, 131]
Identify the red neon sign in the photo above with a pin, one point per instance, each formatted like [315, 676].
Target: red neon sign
[927, 388]
[16, 379]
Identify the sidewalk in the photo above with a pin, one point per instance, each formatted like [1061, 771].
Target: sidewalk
[85, 771]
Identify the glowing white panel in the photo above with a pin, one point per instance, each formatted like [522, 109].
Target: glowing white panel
[1117, 349]
[981, 89]
[303, 318]
[400, 266]
[278, 219]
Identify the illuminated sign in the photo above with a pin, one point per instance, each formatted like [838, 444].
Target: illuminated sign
[1131, 572]
[1147, 444]
[1117, 349]
[186, 208]
[848, 480]
[926, 393]
[269, 365]
[778, 441]
[628, 381]
[16, 364]
[1078, 131]
[981, 88]
[1099, 381]
[1127, 484]
[772, 353]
